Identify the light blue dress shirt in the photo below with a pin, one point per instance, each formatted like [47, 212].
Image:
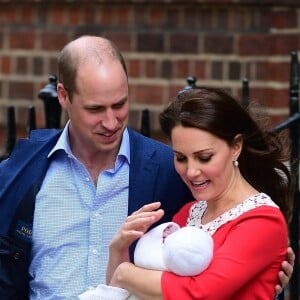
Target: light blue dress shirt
[74, 222]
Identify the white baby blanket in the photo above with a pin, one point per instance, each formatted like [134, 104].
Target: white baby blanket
[185, 251]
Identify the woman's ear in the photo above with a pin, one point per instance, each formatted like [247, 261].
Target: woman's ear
[237, 145]
[62, 94]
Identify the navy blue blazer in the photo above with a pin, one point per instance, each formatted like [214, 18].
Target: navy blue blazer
[152, 177]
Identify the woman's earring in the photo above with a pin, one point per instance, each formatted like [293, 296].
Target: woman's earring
[236, 163]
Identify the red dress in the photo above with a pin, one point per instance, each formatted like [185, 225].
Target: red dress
[250, 242]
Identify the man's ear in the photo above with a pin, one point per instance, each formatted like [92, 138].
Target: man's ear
[63, 96]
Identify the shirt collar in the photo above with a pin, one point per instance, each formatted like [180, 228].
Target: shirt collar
[63, 144]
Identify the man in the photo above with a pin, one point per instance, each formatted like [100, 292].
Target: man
[65, 193]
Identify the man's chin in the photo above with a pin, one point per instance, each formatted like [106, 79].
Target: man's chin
[109, 145]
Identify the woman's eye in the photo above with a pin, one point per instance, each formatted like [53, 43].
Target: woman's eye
[205, 159]
[180, 158]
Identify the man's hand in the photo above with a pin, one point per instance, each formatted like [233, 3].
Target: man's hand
[287, 270]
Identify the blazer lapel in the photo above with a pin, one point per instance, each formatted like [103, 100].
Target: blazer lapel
[142, 172]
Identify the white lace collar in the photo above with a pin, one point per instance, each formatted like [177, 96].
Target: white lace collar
[197, 210]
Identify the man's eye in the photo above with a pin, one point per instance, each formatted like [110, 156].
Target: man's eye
[119, 105]
[94, 109]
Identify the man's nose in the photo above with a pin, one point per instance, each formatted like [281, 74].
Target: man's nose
[109, 120]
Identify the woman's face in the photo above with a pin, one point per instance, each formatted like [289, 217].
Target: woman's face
[204, 162]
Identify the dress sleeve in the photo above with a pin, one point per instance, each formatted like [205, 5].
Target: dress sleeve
[248, 251]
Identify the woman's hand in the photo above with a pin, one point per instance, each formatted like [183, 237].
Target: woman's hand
[143, 283]
[133, 228]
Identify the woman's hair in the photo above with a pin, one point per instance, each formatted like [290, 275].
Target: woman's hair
[84, 48]
[263, 156]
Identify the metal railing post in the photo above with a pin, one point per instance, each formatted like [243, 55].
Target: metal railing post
[294, 135]
[11, 130]
[245, 92]
[31, 124]
[48, 95]
[145, 123]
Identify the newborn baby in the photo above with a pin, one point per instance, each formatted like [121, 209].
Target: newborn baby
[185, 251]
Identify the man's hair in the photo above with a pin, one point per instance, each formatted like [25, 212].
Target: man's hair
[80, 50]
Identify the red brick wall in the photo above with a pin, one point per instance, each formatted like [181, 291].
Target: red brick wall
[219, 42]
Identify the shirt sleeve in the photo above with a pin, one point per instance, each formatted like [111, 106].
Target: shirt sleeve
[248, 249]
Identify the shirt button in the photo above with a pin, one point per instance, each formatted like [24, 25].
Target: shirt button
[95, 251]
[87, 179]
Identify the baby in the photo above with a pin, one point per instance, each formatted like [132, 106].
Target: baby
[185, 251]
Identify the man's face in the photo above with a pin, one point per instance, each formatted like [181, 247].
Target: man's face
[98, 112]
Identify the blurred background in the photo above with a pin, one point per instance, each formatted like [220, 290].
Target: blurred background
[220, 42]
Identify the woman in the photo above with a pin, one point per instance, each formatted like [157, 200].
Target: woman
[242, 191]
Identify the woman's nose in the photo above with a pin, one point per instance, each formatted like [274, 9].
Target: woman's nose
[193, 170]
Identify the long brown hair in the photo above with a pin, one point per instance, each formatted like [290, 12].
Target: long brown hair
[263, 156]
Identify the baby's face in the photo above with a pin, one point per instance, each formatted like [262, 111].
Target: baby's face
[167, 231]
